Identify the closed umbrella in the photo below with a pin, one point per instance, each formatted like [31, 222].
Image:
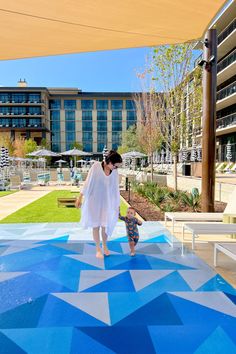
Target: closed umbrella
[104, 153]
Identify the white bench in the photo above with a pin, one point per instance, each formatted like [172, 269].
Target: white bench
[183, 216]
[207, 229]
[227, 248]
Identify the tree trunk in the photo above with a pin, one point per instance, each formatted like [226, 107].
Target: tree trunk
[175, 171]
[151, 159]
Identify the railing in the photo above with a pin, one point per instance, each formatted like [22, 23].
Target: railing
[21, 114]
[226, 61]
[226, 121]
[21, 102]
[227, 91]
[20, 125]
[226, 32]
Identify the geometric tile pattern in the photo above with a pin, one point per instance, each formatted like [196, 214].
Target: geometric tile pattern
[56, 297]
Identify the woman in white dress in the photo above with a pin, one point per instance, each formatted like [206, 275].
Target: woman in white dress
[100, 208]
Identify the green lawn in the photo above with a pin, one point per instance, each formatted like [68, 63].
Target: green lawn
[4, 193]
[45, 209]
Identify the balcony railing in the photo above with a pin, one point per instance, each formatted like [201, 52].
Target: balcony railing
[20, 114]
[227, 91]
[14, 126]
[226, 61]
[226, 121]
[229, 29]
[21, 102]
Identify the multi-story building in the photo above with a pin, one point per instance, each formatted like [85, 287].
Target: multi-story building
[226, 82]
[63, 116]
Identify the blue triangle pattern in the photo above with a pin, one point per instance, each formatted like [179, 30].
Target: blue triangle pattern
[119, 283]
[158, 239]
[141, 321]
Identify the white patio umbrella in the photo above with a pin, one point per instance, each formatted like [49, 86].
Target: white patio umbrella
[133, 154]
[75, 152]
[44, 153]
[60, 162]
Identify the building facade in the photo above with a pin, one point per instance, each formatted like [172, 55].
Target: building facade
[63, 116]
[226, 83]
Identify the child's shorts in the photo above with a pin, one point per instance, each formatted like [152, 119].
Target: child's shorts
[133, 238]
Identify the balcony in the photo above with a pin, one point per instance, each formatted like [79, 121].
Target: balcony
[226, 68]
[21, 103]
[226, 124]
[21, 115]
[226, 39]
[226, 96]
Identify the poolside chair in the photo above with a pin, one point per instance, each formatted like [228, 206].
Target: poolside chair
[43, 178]
[228, 248]
[15, 182]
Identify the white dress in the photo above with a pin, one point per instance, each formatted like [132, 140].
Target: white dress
[101, 199]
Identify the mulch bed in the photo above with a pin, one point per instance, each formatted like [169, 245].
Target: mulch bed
[151, 212]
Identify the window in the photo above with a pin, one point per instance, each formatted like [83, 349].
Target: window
[116, 115]
[55, 104]
[35, 110]
[87, 136]
[19, 98]
[34, 97]
[56, 147]
[69, 104]
[5, 122]
[55, 115]
[5, 110]
[101, 126]
[87, 104]
[102, 136]
[4, 97]
[56, 136]
[35, 122]
[100, 147]
[87, 146]
[102, 104]
[87, 126]
[117, 126]
[70, 137]
[18, 123]
[87, 115]
[55, 125]
[70, 115]
[101, 115]
[116, 104]
[70, 125]
[130, 104]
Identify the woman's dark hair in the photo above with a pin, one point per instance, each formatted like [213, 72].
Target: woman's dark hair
[113, 157]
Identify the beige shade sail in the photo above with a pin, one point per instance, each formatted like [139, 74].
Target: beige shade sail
[32, 28]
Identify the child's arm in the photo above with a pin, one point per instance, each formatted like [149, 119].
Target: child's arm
[139, 222]
[121, 217]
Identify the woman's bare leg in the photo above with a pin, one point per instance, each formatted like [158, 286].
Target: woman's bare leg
[104, 242]
[96, 239]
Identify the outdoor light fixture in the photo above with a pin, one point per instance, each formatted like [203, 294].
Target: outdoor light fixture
[207, 64]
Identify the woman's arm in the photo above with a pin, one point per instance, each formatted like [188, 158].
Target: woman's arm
[78, 201]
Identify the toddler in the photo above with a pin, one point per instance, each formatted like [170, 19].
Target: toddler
[131, 223]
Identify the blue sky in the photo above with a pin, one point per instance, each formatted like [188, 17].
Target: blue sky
[99, 71]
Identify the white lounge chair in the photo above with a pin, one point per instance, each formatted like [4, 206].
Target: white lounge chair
[228, 248]
[182, 216]
[207, 229]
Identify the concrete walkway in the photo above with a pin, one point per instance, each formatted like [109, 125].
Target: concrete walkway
[13, 202]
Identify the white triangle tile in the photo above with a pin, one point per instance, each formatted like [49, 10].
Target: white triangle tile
[95, 304]
[89, 278]
[143, 278]
[10, 275]
[196, 278]
[214, 300]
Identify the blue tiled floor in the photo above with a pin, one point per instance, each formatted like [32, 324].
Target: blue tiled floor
[56, 297]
